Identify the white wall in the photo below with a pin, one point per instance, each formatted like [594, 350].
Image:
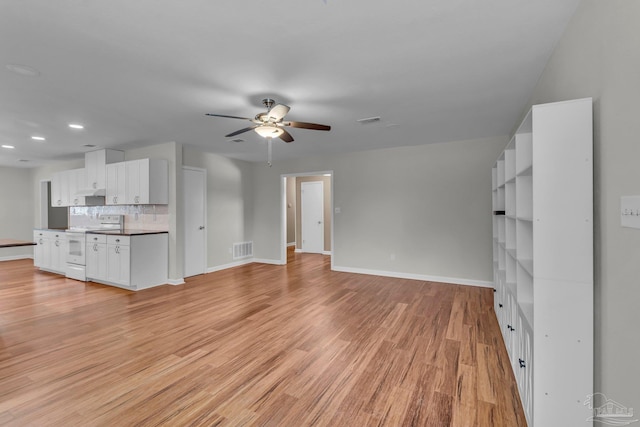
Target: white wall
[229, 203]
[429, 205]
[599, 57]
[16, 210]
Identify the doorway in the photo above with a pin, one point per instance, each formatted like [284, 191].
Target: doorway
[194, 192]
[291, 213]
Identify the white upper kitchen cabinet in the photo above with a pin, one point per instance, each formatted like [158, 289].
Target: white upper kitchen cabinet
[138, 182]
[96, 165]
[76, 179]
[147, 182]
[116, 184]
[60, 189]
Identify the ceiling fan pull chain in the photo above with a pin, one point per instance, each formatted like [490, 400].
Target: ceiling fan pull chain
[269, 151]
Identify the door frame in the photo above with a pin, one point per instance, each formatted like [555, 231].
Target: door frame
[184, 219]
[283, 211]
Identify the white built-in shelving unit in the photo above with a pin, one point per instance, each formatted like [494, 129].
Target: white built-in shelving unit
[543, 260]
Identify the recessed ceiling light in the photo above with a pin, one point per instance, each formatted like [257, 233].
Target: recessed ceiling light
[23, 70]
[75, 126]
[7, 146]
[38, 138]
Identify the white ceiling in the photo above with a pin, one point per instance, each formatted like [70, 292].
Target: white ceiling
[141, 72]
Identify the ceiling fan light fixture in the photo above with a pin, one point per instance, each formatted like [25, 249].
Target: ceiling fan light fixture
[269, 131]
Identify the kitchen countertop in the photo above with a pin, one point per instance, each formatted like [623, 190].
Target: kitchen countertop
[127, 232]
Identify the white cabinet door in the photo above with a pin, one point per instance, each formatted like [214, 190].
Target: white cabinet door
[96, 260]
[45, 260]
[95, 162]
[135, 176]
[96, 174]
[525, 367]
[116, 184]
[76, 179]
[118, 264]
[38, 249]
[58, 245]
[56, 190]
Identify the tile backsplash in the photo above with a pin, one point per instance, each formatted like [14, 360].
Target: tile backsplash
[139, 217]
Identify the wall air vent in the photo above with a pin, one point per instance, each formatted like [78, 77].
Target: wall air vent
[368, 120]
[242, 250]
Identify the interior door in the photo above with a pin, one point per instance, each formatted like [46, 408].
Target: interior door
[312, 213]
[195, 234]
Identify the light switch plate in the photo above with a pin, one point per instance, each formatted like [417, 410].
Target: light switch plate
[630, 211]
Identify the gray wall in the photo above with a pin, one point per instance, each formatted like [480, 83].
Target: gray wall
[599, 57]
[429, 205]
[229, 203]
[16, 210]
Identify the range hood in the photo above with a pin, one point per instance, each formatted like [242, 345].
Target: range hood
[91, 192]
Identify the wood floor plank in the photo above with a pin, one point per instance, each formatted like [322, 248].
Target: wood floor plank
[256, 345]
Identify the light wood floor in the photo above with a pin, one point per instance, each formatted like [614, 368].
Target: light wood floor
[257, 345]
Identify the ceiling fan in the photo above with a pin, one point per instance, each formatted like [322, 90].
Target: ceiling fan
[271, 123]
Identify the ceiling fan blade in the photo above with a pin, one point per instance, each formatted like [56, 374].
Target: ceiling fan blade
[286, 136]
[228, 117]
[238, 132]
[278, 112]
[304, 125]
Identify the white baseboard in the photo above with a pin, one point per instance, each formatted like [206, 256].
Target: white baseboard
[229, 265]
[299, 251]
[15, 257]
[291, 244]
[423, 277]
[268, 261]
[175, 282]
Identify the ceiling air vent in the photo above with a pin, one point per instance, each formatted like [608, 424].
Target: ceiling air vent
[89, 145]
[368, 120]
[236, 140]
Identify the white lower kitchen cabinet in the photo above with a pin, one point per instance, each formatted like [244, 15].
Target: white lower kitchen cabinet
[133, 262]
[50, 252]
[96, 256]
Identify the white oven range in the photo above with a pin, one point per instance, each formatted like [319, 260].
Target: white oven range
[76, 244]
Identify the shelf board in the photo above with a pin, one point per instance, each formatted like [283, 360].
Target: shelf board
[527, 264]
[510, 179]
[524, 218]
[526, 171]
